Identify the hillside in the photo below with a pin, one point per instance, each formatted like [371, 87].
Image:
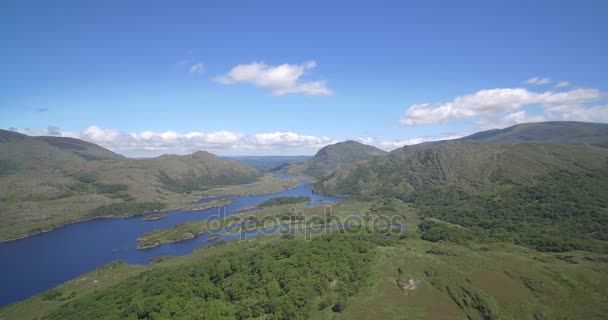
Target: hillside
[266, 163]
[46, 182]
[333, 156]
[498, 191]
[547, 132]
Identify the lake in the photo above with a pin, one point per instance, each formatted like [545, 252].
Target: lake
[35, 264]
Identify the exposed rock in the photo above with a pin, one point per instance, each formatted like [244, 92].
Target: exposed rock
[408, 285]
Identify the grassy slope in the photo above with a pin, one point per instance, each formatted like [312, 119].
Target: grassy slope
[553, 131]
[453, 282]
[503, 192]
[461, 163]
[495, 282]
[47, 181]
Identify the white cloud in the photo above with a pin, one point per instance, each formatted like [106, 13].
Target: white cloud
[394, 144]
[282, 79]
[562, 84]
[486, 104]
[150, 143]
[196, 68]
[538, 81]
[48, 131]
[290, 139]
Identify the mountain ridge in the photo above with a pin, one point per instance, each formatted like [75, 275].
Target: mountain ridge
[46, 182]
[548, 196]
[546, 132]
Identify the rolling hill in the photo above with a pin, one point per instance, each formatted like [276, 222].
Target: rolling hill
[506, 191]
[331, 157]
[547, 132]
[46, 182]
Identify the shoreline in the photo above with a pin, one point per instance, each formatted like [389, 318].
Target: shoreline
[180, 207]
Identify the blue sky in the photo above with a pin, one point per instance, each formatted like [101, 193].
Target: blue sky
[286, 77]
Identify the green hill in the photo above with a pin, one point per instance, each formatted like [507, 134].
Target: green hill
[47, 182]
[550, 197]
[547, 132]
[333, 156]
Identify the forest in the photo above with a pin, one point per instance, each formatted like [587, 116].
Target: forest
[286, 279]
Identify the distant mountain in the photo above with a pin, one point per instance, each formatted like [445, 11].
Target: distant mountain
[266, 163]
[329, 158]
[547, 132]
[49, 181]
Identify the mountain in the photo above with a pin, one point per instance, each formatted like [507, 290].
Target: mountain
[467, 164]
[333, 156]
[547, 132]
[266, 163]
[46, 182]
[549, 196]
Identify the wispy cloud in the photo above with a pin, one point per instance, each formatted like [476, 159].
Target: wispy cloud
[538, 81]
[281, 79]
[196, 68]
[562, 84]
[184, 62]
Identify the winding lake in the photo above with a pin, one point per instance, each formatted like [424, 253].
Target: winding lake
[38, 263]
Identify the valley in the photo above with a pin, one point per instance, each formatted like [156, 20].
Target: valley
[498, 226]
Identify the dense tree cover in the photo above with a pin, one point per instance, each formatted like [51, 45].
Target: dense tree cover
[127, 208]
[286, 279]
[561, 211]
[435, 231]
[284, 200]
[545, 196]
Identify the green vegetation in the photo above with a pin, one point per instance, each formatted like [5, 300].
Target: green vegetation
[284, 200]
[547, 197]
[337, 277]
[288, 279]
[495, 231]
[570, 208]
[7, 166]
[493, 281]
[553, 131]
[333, 156]
[179, 232]
[110, 188]
[266, 163]
[46, 182]
[127, 208]
[154, 216]
[207, 205]
[266, 184]
[253, 220]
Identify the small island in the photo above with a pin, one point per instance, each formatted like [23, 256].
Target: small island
[154, 216]
[208, 205]
[284, 200]
[182, 232]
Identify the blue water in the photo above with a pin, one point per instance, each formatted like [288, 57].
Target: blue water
[38, 263]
